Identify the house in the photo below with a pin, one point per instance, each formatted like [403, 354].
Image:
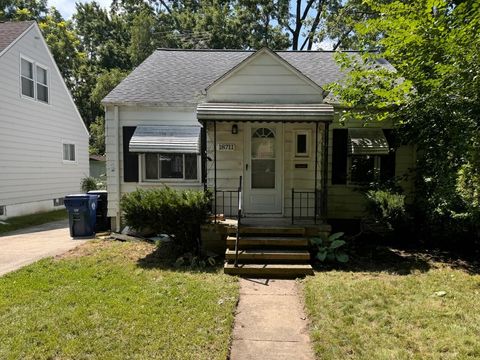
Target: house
[204, 118]
[43, 140]
[97, 166]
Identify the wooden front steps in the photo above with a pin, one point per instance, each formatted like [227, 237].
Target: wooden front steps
[266, 252]
[269, 270]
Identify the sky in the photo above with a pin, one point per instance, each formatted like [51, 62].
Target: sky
[67, 7]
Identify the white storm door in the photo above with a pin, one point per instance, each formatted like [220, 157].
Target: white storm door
[263, 169]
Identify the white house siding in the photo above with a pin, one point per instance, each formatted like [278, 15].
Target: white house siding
[136, 116]
[265, 79]
[344, 201]
[32, 172]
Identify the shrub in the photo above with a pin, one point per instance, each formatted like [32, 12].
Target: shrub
[168, 211]
[90, 183]
[330, 249]
[387, 209]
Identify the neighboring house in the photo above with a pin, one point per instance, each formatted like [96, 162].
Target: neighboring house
[203, 118]
[98, 166]
[43, 140]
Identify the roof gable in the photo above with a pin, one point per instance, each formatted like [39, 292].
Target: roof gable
[11, 31]
[254, 58]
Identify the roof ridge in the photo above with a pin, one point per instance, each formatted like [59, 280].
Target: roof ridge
[205, 50]
[253, 51]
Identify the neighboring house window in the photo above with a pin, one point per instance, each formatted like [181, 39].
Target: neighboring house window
[42, 84]
[171, 166]
[68, 152]
[34, 80]
[28, 88]
[301, 143]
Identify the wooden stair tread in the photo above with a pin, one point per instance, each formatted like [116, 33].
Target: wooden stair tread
[266, 238]
[272, 230]
[269, 270]
[282, 242]
[253, 251]
[268, 255]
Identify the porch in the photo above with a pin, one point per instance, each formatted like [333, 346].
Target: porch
[281, 153]
[267, 168]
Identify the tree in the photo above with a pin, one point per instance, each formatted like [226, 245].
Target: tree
[63, 43]
[435, 92]
[142, 41]
[106, 82]
[23, 9]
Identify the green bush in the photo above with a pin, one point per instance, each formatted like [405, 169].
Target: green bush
[330, 249]
[89, 183]
[168, 211]
[387, 209]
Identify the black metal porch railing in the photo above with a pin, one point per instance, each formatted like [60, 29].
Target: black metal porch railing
[226, 202]
[306, 205]
[239, 219]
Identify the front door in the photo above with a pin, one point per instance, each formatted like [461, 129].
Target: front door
[263, 169]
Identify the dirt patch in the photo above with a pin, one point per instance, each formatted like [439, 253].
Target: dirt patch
[136, 250]
[89, 248]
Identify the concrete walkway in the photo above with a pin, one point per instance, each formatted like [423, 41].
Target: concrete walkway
[270, 322]
[28, 245]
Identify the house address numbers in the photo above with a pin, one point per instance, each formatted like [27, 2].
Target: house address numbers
[226, 147]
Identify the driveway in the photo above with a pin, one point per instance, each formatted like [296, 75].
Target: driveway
[26, 246]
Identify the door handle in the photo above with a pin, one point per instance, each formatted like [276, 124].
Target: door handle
[246, 167]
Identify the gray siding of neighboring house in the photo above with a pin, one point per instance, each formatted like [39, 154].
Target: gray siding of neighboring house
[97, 168]
[32, 169]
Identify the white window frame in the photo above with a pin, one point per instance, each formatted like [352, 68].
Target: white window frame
[307, 143]
[34, 70]
[143, 165]
[376, 168]
[37, 65]
[66, 142]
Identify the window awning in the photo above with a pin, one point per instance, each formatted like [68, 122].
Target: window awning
[364, 141]
[166, 139]
[265, 112]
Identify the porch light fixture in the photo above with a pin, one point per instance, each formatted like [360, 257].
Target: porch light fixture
[234, 129]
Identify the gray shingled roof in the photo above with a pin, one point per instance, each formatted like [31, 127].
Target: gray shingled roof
[179, 76]
[10, 31]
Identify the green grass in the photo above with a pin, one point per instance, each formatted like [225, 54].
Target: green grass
[20, 222]
[376, 314]
[112, 300]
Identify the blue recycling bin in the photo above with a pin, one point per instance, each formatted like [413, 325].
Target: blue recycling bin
[82, 214]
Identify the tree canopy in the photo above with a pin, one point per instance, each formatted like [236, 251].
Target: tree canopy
[432, 97]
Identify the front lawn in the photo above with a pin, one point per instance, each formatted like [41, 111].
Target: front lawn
[112, 300]
[20, 222]
[408, 310]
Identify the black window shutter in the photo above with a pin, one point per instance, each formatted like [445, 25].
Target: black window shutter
[339, 156]
[130, 160]
[387, 162]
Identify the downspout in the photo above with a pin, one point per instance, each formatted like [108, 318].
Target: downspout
[325, 172]
[315, 213]
[116, 125]
[215, 168]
